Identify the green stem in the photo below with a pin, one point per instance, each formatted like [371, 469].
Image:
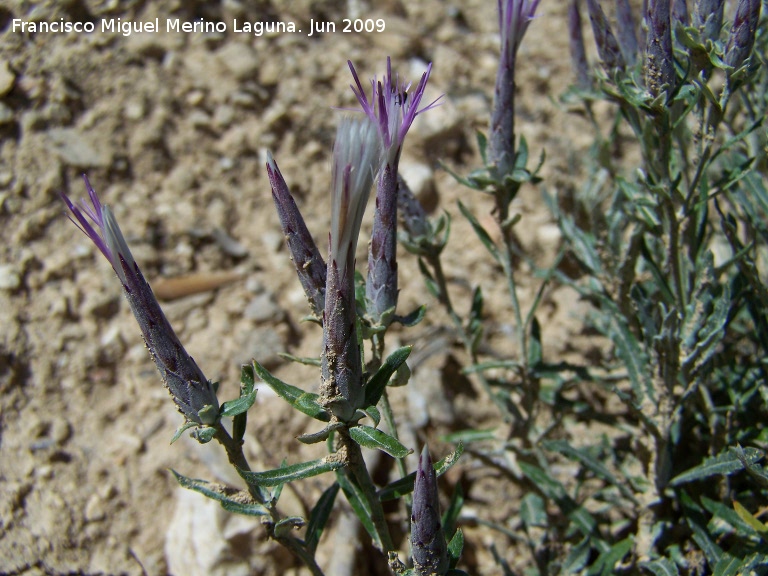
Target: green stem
[237, 458]
[356, 466]
[389, 418]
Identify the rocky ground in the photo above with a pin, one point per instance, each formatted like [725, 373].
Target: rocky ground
[172, 130]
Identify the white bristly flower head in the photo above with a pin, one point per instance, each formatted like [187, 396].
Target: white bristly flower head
[356, 159]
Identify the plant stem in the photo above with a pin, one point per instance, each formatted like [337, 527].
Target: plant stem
[237, 459]
[356, 466]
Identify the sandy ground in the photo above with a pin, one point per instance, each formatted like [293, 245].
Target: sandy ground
[172, 130]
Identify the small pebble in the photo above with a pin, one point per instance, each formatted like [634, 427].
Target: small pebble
[262, 308]
[10, 278]
[7, 78]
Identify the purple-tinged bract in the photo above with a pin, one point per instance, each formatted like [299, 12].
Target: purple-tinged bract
[741, 40]
[659, 61]
[430, 553]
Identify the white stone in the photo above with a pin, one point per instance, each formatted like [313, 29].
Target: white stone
[9, 277]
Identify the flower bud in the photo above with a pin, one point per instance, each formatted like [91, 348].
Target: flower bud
[309, 264]
[741, 40]
[514, 19]
[193, 394]
[430, 553]
[356, 157]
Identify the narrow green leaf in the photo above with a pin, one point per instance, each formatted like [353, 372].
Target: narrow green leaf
[429, 280]
[318, 518]
[578, 557]
[290, 473]
[369, 437]
[373, 414]
[244, 509]
[322, 435]
[231, 499]
[307, 361]
[412, 319]
[374, 388]
[729, 565]
[661, 567]
[247, 387]
[404, 485]
[454, 509]
[748, 518]
[532, 511]
[592, 464]
[357, 502]
[232, 408]
[485, 238]
[468, 436]
[305, 402]
[725, 463]
[247, 379]
[482, 146]
[181, 429]
[455, 547]
[608, 559]
[697, 524]
[535, 349]
[634, 358]
[554, 490]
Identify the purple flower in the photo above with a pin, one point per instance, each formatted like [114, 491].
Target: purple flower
[430, 553]
[309, 264]
[356, 158]
[192, 392]
[392, 107]
[514, 18]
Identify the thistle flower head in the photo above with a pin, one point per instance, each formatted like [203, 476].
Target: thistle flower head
[356, 159]
[309, 264]
[194, 395]
[514, 18]
[392, 108]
